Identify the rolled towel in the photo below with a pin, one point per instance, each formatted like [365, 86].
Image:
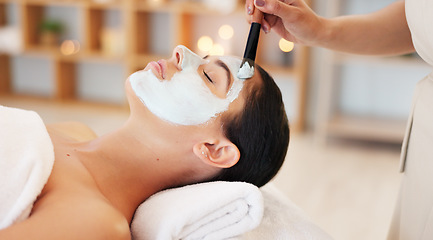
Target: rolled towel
[26, 160]
[214, 210]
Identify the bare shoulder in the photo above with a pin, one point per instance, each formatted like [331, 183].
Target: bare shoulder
[75, 130]
[71, 217]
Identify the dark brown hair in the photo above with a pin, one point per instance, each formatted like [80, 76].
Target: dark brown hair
[261, 132]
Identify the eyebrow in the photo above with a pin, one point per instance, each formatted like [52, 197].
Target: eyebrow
[225, 67]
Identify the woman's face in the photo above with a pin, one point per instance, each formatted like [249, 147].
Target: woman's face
[187, 89]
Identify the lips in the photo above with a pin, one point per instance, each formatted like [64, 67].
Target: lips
[158, 68]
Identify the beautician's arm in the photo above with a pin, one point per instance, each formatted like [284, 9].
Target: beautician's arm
[384, 32]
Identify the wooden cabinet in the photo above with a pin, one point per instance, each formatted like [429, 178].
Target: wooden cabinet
[5, 77]
[120, 32]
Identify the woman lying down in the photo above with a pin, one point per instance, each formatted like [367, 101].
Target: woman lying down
[192, 120]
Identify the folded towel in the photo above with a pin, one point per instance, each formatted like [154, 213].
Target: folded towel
[283, 220]
[215, 210]
[26, 160]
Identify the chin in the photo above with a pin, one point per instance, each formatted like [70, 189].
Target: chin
[135, 104]
[130, 95]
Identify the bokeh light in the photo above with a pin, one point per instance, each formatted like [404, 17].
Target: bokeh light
[226, 32]
[69, 47]
[217, 49]
[286, 46]
[155, 2]
[205, 43]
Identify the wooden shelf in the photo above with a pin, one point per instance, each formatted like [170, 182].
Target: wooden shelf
[188, 7]
[394, 61]
[367, 128]
[135, 22]
[163, 7]
[61, 3]
[103, 5]
[55, 54]
[289, 70]
[140, 61]
[5, 76]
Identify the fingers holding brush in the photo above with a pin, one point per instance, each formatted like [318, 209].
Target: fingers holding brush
[293, 20]
[255, 15]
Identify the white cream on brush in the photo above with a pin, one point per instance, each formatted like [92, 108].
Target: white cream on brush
[246, 71]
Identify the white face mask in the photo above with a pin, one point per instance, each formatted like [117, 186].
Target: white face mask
[185, 99]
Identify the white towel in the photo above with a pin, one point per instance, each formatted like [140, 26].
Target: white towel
[283, 220]
[215, 210]
[26, 161]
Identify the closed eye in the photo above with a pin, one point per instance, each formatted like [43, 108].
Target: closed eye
[207, 76]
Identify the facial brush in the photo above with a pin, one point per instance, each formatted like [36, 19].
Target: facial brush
[247, 66]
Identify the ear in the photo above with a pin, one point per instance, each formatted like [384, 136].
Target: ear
[220, 153]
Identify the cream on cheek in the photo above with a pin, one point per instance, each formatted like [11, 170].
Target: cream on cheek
[183, 100]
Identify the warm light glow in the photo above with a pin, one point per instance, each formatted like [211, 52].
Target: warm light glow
[156, 2]
[286, 46]
[217, 49]
[226, 32]
[69, 47]
[205, 43]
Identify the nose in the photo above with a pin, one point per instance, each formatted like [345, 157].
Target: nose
[177, 57]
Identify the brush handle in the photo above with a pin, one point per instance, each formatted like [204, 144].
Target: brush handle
[252, 42]
[253, 36]
[257, 16]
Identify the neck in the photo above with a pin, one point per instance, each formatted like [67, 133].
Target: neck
[125, 170]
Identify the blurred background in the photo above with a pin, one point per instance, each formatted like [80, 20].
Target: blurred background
[69, 59]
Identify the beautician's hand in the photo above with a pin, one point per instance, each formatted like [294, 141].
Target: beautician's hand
[384, 32]
[291, 19]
